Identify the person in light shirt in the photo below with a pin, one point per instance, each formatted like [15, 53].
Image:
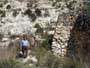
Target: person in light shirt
[24, 45]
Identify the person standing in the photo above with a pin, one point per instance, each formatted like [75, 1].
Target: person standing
[24, 45]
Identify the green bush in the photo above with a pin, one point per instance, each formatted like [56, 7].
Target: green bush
[15, 13]
[1, 36]
[45, 44]
[28, 12]
[2, 13]
[13, 36]
[38, 12]
[8, 7]
[1, 5]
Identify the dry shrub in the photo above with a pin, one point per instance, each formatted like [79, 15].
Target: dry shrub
[10, 51]
[6, 54]
[46, 59]
[11, 64]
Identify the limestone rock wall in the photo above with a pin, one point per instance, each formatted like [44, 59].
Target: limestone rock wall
[65, 25]
[55, 17]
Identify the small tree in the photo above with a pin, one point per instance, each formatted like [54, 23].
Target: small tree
[38, 12]
[15, 13]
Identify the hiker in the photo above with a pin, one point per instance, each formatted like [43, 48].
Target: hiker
[24, 45]
[34, 42]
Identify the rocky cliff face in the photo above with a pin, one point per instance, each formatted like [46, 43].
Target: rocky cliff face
[19, 17]
[65, 24]
[52, 17]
